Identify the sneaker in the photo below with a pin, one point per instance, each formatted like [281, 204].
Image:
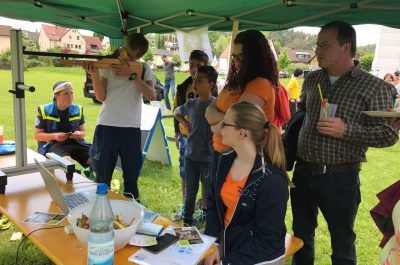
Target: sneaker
[179, 215]
[200, 216]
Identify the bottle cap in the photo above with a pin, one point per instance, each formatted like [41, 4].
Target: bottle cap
[102, 188]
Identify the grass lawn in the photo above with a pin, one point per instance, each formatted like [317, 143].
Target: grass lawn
[160, 185]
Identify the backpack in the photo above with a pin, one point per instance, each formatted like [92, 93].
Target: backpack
[290, 138]
[281, 109]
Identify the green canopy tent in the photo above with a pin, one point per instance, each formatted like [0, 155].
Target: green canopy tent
[114, 18]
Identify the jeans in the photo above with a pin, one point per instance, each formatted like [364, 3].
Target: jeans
[182, 139]
[169, 84]
[337, 195]
[195, 171]
[293, 107]
[110, 142]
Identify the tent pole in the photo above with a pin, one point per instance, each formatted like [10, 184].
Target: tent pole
[17, 66]
[235, 28]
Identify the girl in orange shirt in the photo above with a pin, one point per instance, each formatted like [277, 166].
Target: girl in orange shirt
[252, 77]
[247, 203]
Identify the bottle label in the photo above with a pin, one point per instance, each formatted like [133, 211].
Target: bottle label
[101, 254]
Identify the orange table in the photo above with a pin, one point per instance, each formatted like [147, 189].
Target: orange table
[26, 194]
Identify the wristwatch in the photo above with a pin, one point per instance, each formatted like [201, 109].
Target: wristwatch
[132, 76]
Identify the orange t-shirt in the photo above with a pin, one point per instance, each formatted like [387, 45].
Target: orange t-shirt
[261, 87]
[230, 193]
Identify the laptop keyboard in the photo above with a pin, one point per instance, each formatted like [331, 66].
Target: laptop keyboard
[74, 199]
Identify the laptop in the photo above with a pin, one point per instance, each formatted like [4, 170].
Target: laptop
[65, 202]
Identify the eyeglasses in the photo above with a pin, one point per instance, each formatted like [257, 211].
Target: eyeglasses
[224, 124]
[235, 57]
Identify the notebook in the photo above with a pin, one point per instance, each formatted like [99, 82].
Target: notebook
[65, 202]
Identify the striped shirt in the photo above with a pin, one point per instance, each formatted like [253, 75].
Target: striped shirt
[353, 92]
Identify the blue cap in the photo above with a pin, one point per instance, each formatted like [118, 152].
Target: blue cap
[102, 188]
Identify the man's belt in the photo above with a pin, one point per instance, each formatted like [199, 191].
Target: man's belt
[317, 168]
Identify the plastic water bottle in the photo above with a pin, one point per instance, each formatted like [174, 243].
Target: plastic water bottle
[101, 234]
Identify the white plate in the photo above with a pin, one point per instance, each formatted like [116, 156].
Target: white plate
[383, 114]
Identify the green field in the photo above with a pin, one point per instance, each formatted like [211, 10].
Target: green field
[160, 185]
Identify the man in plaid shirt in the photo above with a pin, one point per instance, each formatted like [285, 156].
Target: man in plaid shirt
[332, 143]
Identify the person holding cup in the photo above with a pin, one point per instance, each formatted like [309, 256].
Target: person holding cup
[333, 141]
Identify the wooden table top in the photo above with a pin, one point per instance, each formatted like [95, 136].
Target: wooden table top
[26, 194]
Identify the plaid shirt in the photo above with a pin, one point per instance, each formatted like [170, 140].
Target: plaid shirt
[353, 92]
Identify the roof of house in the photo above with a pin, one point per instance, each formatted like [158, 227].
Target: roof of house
[54, 33]
[300, 56]
[5, 30]
[93, 40]
[225, 53]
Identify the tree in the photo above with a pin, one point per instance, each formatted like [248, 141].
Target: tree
[220, 45]
[28, 43]
[98, 35]
[366, 61]
[277, 46]
[148, 56]
[366, 49]
[5, 59]
[283, 60]
[160, 41]
[176, 58]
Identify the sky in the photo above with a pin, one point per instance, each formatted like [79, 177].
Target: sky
[366, 34]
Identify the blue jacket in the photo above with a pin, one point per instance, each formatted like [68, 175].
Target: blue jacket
[257, 229]
[51, 118]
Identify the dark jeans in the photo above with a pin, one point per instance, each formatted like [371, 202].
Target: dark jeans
[182, 139]
[293, 107]
[338, 196]
[195, 171]
[169, 84]
[110, 142]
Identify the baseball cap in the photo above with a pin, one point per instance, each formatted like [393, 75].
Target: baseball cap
[61, 85]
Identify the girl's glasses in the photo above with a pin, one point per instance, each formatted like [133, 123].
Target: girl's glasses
[224, 124]
[236, 58]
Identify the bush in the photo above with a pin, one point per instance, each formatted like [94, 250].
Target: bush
[5, 59]
[366, 61]
[290, 69]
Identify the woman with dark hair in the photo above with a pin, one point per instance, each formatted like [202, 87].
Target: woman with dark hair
[389, 78]
[252, 77]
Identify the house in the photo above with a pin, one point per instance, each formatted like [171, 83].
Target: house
[157, 56]
[73, 40]
[93, 45]
[69, 39]
[223, 65]
[5, 38]
[313, 63]
[300, 56]
[50, 36]
[33, 36]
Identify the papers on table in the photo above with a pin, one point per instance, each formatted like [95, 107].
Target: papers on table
[188, 235]
[45, 218]
[175, 254]
[382, 114]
